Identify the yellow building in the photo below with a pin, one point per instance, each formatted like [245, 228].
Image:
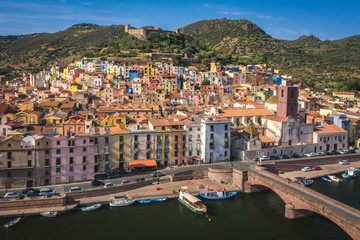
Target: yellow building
[120, 157]
[150, 70]
[66, 73]
[215, 67]
[112, 69]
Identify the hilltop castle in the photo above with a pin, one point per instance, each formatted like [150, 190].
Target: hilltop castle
[143, 32]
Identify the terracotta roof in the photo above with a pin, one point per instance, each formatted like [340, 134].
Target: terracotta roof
[329, 128]
[246, 112]
[272, 99]
[49, 104]
[344, 93]
[266, 139]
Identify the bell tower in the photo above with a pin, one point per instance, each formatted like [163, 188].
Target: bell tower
[287, 104]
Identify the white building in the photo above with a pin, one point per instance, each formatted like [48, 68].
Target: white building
[215, 139]
[193, 136]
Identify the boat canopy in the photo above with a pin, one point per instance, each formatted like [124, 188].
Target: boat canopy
[190, 197]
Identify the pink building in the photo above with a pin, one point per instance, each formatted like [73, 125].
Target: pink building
[72, 159]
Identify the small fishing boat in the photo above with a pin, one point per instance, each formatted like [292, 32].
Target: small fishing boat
[121, 201]
[91, 207]
[306, 182]
[351, 173]
[334, 178]
[144, 201]
[191, 202]
[159, 199]
[48, 214]
[12, 222]
[218, 195]
[326, 179]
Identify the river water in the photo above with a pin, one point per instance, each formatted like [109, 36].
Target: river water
[249, 216]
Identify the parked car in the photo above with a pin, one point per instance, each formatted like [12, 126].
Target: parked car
[113, 175]
[352, 151]
[256, 159]
[125, 181]
[344, 152]
[335, 153]
[327, 153]
[139, 179]
[76, 189]
[311, 155]
[343, 162]
[47, 192]
[11, 195]
[303, 155]
[264, 158]
[96, 183]
[109, 184]
[316, 168]
[306, 169]
[321, 154]
[158, 174]
[284, 156]
[295, 155]
[33, 193]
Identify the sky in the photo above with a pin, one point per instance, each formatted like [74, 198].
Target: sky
[288, 19]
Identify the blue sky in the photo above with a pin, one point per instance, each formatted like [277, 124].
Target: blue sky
[281, 19]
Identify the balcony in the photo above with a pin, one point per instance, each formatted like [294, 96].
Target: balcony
[158, 150]
[211, 145]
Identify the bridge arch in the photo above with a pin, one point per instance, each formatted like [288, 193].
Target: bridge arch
[298, 208]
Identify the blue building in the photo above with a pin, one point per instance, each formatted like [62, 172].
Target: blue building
[341, 121]
[103, 66]
[278, 80]
[133, 74]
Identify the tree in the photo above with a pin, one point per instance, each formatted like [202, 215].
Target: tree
[204, 62]
[176, 59]
[205, 82]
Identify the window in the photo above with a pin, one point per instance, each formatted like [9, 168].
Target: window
[211, 128]
[106, 140]
[190, 129]
[9, 164]
[9, 145]
[148, 137]
[176, 153]
[136, 156]
[57, 170]
[121, 147]
[29, 163]
[47, 151]
[9, 174]
[226, 127]
[47, 172]
[58, 161]
[84, 159]
[176, 138]
[121, 157]
[47, 143]
[163, 128]
[29, 173]
[184, 137]
[148, 155]
[84, 141]
[71, 160]
[71, 169]
[84, 149]
[71, 150]
[47, 162]
[225, 153]
[135, 137]
[158, 155]
[58, 143]
[84, 168]
[282, 93]
[29, 153]
[58, 151]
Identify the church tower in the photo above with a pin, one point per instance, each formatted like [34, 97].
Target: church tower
[287, 104]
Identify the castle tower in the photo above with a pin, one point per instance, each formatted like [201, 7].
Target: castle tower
[127, 27]
[287, 104]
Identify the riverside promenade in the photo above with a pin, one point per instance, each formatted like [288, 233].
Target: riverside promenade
[328, 169]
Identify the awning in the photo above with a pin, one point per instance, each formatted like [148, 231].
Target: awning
[136, 164]
[149, 163]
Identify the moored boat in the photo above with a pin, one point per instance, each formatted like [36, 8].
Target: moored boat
[325, 179]
[159, 199]
[12, 222]
[48, 214]
[334, 178]
[218, 195]
[351, 173]
[306, 182]
[144, 201]
[122, 201]
[91, 207]
[191, 202]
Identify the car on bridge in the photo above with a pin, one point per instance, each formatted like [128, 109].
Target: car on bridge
[109, 184]
[311, 155]
[344, 152]
[47, 192]
[125, 182]
[264, 158]
[76, 189]
[306, 169]
[343, 162]
[158, 174]
[316, 168]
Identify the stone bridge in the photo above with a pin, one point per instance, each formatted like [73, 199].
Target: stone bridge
[299, 201]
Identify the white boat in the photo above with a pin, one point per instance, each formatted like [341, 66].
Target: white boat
[12, 222]
[48, 214]
[122, 201]
[351, 173]
[306, 182]
[91, 207]
[191, 202]
[334, 178]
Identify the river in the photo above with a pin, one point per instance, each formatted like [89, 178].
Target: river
[249, 216]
